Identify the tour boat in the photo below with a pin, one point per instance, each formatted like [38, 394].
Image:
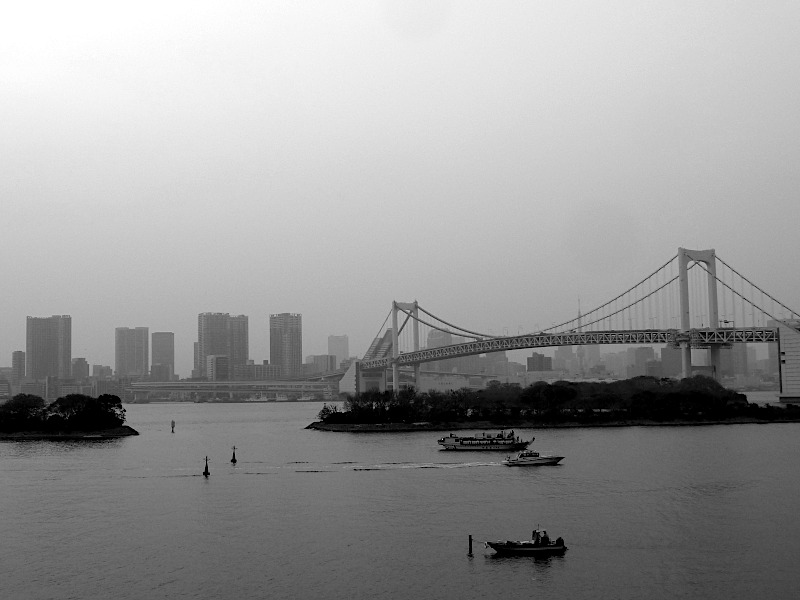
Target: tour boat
[531, 458]
[491, 441]
[540, 545]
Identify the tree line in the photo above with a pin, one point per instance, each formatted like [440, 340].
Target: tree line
[73, 412]
[697, 398]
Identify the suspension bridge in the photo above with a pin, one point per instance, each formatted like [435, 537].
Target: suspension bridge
[694, 301]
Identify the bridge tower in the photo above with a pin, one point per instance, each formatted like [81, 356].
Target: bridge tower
[709, 259]
[406, 307]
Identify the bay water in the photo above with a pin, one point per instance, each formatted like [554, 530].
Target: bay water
[656, 512]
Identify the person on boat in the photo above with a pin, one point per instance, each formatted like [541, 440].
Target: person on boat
[545, 539]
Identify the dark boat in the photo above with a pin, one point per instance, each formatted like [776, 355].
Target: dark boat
[540, 545]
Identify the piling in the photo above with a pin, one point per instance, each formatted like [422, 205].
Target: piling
[470, 546]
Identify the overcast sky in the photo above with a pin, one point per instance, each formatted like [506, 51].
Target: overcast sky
[493, 160]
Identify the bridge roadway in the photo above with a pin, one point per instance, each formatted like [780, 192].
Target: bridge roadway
[255, 388]
[697, 338]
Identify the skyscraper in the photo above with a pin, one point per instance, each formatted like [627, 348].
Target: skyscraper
[17, 367]
[163, 355]
[286, 344]
[219, 334]
[48, 347]
[132, 351]
[339, 346]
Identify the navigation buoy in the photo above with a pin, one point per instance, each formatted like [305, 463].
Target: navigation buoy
[233, 460]
[205, 471]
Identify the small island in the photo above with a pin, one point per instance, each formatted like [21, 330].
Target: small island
[639, 401]
[72, 417]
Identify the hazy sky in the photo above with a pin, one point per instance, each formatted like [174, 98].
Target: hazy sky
[493, 160]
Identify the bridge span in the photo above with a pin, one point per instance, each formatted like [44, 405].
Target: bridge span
[695, 338]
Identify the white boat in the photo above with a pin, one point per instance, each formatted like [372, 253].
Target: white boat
[531, 458]
[491, 441]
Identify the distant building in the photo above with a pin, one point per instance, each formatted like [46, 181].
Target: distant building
[5, 391]
[132, 352]
[17, 367]
[217, 367]
[286, 344]
[102, 372]
[80, 369]
[539, 362]
[339, 346]
[254, 372]
[220, 334]
[671, 362]
[637, 359]
[48, 351]
[163, 365]
[319, 363]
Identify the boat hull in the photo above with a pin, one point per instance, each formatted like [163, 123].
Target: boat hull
[540, 461]
[526, 549]
[487, 446]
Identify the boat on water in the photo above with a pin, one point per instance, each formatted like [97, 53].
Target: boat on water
[540, 544]
[531, 458]
[504, 440]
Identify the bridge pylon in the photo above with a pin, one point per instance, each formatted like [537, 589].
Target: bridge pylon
[413, 309]
[708, 257]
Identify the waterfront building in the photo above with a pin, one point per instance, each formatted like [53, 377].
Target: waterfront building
[286, 344]
[319, 363]
[17, 367]
[220, 334]
[48, 347]
[671, 365]
[339, 346]
[163, 365]
[254, 372]
[132, 351]
[217, 367]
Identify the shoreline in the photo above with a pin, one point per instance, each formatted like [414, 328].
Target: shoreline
[458, 426]
[105, 434]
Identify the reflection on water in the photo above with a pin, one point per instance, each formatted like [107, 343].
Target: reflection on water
[689, 511]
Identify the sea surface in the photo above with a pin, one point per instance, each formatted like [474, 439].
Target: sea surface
[647, 512]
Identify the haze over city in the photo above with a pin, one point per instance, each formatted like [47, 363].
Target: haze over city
[494, 162]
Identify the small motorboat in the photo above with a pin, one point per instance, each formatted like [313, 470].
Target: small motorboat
[539, 545]
[531, 458]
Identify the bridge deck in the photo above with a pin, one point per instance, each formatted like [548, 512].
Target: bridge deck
[697, 338]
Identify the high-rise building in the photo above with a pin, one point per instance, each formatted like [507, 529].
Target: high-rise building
[48, 351]
[17, 367]
[220, 334]
[217, 367]
[286, 344]
[339, 346]
[163, 351]
[132, 351]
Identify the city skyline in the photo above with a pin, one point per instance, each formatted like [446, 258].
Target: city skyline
[388, 159]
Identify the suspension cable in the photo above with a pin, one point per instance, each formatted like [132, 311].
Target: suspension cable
[758, 288]
[750, 302]
[617, 298]
[472, 333]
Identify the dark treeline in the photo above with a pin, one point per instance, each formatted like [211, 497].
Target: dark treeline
[74, 412]
[641, 398]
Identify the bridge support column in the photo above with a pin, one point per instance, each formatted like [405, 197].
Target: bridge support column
[395, 352]
[708, 257]
[415, 330]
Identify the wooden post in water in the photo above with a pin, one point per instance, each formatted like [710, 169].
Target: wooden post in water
[470, 545]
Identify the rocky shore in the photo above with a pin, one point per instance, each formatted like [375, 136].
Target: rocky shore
[116, 432]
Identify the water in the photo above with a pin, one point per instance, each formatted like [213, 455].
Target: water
[683, 512]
